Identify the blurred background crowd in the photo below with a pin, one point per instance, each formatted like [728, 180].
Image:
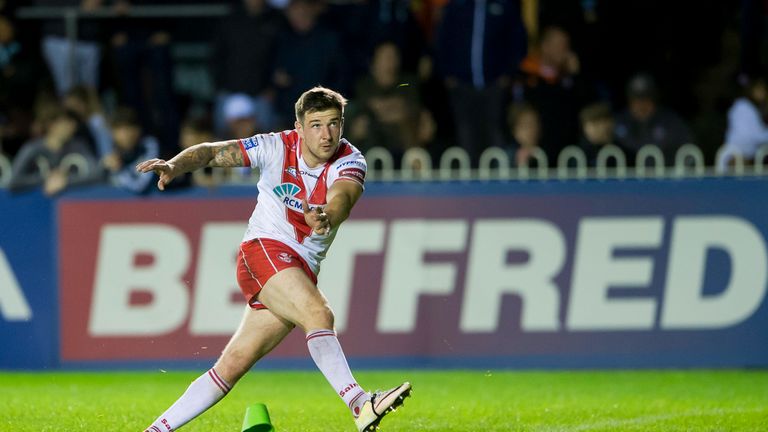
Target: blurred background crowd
[516, 74]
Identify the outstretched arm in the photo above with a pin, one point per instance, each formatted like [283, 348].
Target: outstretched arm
[216, 154]
[341, 197]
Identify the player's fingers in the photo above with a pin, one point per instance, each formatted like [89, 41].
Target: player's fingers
[305, 205]
[147, 165]
[164, 180]
[158, 167]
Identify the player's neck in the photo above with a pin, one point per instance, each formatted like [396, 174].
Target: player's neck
[312, 162]
[310, 159]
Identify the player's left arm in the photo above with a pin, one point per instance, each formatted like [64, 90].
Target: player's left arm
[340, 199]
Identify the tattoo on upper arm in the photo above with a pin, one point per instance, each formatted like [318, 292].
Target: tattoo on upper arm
[227, 155]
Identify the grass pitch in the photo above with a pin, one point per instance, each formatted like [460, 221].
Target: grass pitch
[442, 401]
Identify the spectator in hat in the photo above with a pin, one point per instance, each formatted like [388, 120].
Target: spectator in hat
[239, 112]
[645, 121]
[245, 45]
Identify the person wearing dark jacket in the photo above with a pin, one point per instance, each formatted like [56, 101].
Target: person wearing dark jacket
[130, 147]
[246, 43]
[647, 122]
[479, 45]
[56, 160]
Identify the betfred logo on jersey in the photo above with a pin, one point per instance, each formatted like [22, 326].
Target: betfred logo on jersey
[287, 194]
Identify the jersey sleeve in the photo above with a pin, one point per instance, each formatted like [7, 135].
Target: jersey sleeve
[349, 168]
[259, 149]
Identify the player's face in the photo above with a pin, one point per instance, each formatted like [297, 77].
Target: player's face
[320, 135]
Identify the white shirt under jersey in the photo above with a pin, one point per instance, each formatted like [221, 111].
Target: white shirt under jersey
[284, 180]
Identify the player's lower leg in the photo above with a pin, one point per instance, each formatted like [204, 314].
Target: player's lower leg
[325, 349]
[259, 332]
[202, 394]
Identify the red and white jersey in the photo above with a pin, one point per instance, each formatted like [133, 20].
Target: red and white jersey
[284, 180]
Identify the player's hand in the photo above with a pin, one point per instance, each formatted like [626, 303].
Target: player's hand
[316, 219]
[163, 169]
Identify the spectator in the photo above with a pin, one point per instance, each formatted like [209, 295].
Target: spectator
[479, 45]
[72, 63]
[196, 131]
[747, 130]
[389, 112]
[393, 21]
[525, 127]
[240, 116]
[54, 161]
[20, 76]
[308, 55]
[597, 126]
[84, 102]
[363, 25]
[245, 45]
[646, 122]
[130, 148]
[552, 83]
[141, 49]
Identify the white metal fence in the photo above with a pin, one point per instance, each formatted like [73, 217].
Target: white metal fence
[496, 164]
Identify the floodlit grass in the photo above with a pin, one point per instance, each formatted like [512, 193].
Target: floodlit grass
[442, 401]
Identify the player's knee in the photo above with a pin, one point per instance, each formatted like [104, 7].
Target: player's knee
[328, 317]
[321, 317]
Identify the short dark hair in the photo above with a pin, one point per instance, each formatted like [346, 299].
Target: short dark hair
[319, 99]
[516, 111]
[596, 112]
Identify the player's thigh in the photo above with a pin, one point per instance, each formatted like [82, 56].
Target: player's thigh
[292, 295]
[259, 332]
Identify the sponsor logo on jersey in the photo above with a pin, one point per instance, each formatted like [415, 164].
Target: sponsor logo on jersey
[353, 173]
[284, 257]
[250, 143]
[292, 171]
[287, 194]
[307, 173]
[352, 162]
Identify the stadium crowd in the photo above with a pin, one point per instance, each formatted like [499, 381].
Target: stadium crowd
[516, 74]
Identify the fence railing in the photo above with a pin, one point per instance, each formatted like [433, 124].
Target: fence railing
[5, 171]
[495, 164]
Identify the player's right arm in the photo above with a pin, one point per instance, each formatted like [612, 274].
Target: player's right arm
[215, 154]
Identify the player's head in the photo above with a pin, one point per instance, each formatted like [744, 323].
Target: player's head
[319, 122]
[319, 99]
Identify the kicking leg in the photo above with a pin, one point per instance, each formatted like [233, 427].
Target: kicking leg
[291, 295]
[259, 332]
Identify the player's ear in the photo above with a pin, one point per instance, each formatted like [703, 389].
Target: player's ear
[299, 129]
